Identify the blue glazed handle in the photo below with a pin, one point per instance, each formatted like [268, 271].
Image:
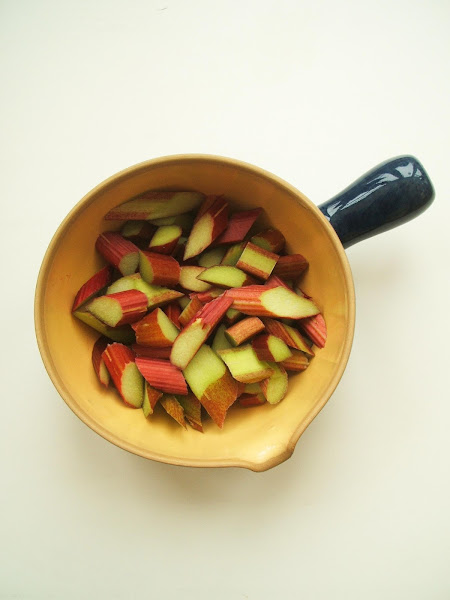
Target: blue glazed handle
[390, 194]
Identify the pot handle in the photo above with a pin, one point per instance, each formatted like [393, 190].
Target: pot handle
[389, 195]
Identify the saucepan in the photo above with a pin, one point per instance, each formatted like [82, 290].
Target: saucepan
[261, 437]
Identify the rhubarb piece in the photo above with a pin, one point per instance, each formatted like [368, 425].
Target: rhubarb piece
[128, 282]
[174, 409]
[275, 387]
[243, 330]
[138, 232]
[173, 311]
[244, 365]
[315, 328]
[278, 302]
[162, 375]
[241, 388]
[220, 341]
[197, 331]
[165, 239]
[291, 266]
[270, 239]
[192, 411]
[211, 383]
[296, 362]
[155, 329]
[238, 226]
[183, 301]
[190, 311]
[122, 334]
[249, 400]
[119, 360]
[252, 388]
[257, 261]
[226, 277]
[155, 205]
[151, 397]
[210, 294]
[118, 251]
[270, 348]
[120, 308]
[233, 254]
[189, 281]
[93, 286]
[275, 281]
[207, 203]
[156, 295]
[211, 257]
[97, 361]
[151, 352]
[159, 269]
[185, 221]
[232, 316]
[207, 227]
[290, 336]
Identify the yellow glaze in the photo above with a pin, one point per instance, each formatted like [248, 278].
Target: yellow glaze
[258, 438]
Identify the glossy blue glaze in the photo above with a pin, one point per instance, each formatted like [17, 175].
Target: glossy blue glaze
[388, 195]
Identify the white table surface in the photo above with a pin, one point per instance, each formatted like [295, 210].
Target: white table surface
[318, 93]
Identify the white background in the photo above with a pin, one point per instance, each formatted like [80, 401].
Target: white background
[318, 93]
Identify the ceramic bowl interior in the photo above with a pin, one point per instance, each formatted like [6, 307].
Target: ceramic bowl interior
[257, 438]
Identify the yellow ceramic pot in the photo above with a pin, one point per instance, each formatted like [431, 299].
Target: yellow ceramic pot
[258, 438]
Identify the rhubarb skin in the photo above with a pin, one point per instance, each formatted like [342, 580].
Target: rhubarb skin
[151, 352]
[315, 328]
[151, 397]
[197, 331]
[277, 302]
[243, 330]
[123, 334]
[156, 295]
[270, 239]
[174, 409]
[156, 205]
[173, 311]
[159, 269]
[296, 362]
[211, 383]
[290, 267]
[190, 311]
[257, 261]
[249, 400]
[192, 411]
[155, 329]
[118, 251]
[207, 228]
[120, 362]
[93, 286]
[162, 375]
[120, 308]
[239, 224]
[290, 336]
[205, 297]
[271, 348]
[97, 361]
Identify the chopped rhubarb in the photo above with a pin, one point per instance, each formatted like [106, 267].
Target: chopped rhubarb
[315, 328]
[257, 261]
[155, 205]
[93, 286]
[275, 281]
[159, 269]
[156, 295]
[190, 311]
[296, 362]
[243, 330]
[238, 226]
[232, 316]
[174, 409]
[118, 251]
[138, 232]
[151, 397]
[220, 341]
[268, 347]
[165, 239]
[119, 308]
[207, 227]
[204, 297]
[185, 221]
[123, 334]
[211, 257]
[155, 329]
[120, 362]
[197, 331]
[275, 387]
[290, 267]
[270, 239]
[162, 375]
[233, 254]
[278, 302]
[226, 277]
[173, 311]
[244, 365]
[249, 400]
[192, 411]
[151, 352]
[189, 279]
[97, 361]
[211, 383]
[290, 336]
